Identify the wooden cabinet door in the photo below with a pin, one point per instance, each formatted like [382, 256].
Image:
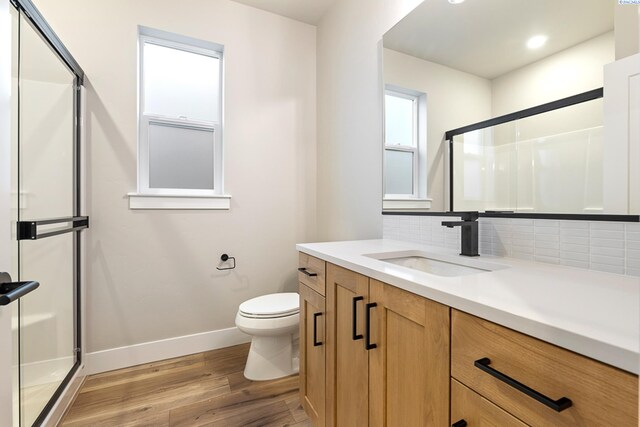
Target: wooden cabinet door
[347, 361]
[409, 367]
[312, 354]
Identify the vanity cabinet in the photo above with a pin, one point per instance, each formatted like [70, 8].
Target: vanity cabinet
[537, 382]
[373, 354]
[387, 354]
[311, 273]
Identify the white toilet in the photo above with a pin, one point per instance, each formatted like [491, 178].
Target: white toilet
[273, 322]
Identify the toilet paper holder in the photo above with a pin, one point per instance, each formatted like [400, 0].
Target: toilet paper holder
[225, 258]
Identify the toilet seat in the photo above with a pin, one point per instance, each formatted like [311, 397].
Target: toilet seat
[271, 306]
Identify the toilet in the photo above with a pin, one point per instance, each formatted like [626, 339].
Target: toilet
[272, 321]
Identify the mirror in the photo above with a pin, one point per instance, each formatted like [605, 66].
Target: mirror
[451, 63]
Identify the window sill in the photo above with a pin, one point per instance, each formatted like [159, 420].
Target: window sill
[162, 201]
[405, 204]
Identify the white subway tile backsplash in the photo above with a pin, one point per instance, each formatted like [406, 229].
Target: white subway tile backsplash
[584, 225]
[632, 227]
[547, 252]
[606, 268]
[555, 231]
[550, 244]
[570, 247]
[574, 256]
[608, 260]
[614, 252]
[607, 243]
[612, 226]
[574, 232]
[544, 237]
[574, 240]
[606, 234]
[633, 236]
[633, 245]
[546, 223]
[633, 258]
[604, 246]
[522, 236]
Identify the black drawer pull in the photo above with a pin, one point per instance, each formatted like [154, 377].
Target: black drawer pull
[367, 321]
[356, 335]
[461, 423]
[316, 343]
[304, 270]
[557, 405]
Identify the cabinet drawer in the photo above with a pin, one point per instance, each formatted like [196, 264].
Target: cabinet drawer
[311, 272]
[600, 394]
[477, 411]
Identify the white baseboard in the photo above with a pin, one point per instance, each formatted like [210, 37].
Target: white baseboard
[123, 357]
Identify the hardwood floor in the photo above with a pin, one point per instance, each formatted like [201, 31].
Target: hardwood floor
[204, 389]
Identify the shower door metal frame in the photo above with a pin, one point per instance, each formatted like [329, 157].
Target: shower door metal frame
[31, 13]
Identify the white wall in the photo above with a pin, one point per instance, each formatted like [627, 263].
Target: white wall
[350, 116]
[572, 71]
[152, 274]
[454, 99]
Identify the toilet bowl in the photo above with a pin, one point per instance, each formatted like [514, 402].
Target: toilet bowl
[272, 321]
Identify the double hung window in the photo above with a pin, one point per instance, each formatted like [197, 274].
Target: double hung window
[180, 116]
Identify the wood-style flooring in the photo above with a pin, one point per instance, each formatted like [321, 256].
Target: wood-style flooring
[204, 389]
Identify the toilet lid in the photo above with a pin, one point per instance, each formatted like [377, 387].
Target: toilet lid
[272, 305]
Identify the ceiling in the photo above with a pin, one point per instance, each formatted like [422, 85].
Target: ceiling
[488, 37]
[309, 11]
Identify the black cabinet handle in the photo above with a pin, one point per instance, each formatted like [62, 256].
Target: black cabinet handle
[367, 321]
[316, 343]
[356, 335]
[557, 405]
[461, 423]
[304, 270]
[12, 291]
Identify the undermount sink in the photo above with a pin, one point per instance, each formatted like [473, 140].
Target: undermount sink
[440, 265]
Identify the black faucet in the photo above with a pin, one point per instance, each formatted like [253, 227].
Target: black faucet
[469, 226]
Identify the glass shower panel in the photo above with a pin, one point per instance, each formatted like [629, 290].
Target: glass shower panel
[560, 160]
[484, 169]
[46, 190]
[550, 162]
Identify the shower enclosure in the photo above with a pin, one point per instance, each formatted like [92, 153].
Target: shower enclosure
[45, 215]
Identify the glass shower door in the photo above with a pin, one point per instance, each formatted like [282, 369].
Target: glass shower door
[46, 190]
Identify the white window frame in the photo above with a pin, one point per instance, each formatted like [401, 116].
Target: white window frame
[187, 44]
[406, 148]
[418, 200]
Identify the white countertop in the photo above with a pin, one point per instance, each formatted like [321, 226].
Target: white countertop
[592, 313]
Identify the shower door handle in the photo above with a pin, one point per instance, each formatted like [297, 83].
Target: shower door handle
[11, 291]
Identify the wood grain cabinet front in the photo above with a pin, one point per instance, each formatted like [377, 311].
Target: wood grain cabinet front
[388, 354]
[470, 409]
[312, 354]
[537, 382]
[311, 272]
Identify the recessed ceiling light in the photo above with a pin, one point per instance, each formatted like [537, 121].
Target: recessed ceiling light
[456, 1]
[536, 42]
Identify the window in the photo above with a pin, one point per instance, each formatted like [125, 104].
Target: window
[401, 144]
[404, 148]
[180, 116]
